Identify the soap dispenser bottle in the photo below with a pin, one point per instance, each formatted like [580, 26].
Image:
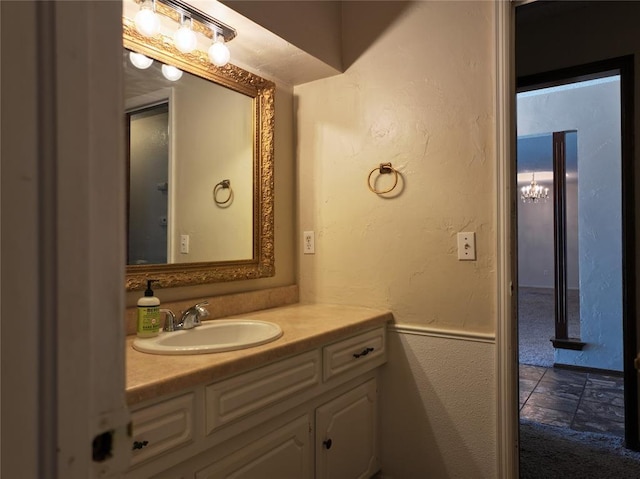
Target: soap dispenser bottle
[148, 313]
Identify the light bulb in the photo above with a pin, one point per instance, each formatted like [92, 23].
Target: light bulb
[147, 22]
[171, 73]
[139, 60]
[219, 53]
[185, 39]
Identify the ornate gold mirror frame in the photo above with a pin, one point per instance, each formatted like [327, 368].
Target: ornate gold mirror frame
[262, 91]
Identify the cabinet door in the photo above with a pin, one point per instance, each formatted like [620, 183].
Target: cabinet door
[285, 453]
[346, 435]
[161, 428]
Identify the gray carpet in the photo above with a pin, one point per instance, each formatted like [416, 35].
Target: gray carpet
[536, 324]
[551, 452]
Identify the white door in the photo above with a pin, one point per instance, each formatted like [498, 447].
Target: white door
[63, 406]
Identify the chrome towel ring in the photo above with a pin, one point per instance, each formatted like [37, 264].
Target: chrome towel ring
[384, 168]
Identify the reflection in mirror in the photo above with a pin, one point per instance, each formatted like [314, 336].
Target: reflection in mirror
[174, 217]
[214, 126]
[148, 184]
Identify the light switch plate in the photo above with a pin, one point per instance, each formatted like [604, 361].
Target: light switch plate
[467, 246]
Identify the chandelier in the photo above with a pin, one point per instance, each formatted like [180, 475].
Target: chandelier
[533, 192]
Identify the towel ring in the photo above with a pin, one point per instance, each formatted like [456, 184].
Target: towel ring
[223, 185]
[384, 168]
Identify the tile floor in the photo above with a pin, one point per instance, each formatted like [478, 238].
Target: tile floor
[577, 400]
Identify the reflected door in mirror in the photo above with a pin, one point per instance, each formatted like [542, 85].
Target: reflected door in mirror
[148, 185]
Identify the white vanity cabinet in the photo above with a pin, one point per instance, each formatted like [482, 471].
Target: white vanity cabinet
[354, 354]
[346, 435]
[283, 453]
[162, 427]
[313, 415]
[250, 393]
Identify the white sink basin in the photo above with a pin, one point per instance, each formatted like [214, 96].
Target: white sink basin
[211, 337]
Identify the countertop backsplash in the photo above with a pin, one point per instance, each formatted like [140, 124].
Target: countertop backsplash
[226, 305]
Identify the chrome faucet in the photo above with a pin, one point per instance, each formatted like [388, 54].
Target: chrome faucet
[169, 320]
[192, 317]
[189, 318]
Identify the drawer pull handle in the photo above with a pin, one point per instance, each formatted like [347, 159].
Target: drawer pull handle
[327, 444]
[139, 444]
[363, 353]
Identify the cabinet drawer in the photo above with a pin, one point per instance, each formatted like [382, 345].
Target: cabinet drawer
[161, 427]
[250, 392]
[286, 452]
[364, 351]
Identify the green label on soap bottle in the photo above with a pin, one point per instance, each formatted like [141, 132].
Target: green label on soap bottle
[148, 319]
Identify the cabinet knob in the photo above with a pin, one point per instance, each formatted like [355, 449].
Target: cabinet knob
[363, 353]
[139, 444]
[327, 444]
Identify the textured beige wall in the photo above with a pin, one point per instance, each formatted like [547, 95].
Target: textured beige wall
[311, 25]
[422, 98]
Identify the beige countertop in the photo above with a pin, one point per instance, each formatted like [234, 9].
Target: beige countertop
[304, 326]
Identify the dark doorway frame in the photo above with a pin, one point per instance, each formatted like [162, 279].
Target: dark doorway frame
[623, 66]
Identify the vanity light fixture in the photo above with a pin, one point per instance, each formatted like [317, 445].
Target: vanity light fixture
[146, 20]
[184, 37]
[171, 73]
[140, 61]
[192, 21]
[218, 52]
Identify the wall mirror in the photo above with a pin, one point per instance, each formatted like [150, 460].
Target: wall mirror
[200, 155]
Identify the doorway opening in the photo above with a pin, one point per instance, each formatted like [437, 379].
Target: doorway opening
[570, 250]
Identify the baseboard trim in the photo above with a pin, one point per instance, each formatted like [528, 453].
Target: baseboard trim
[443, 333]
[573, 344]
[585, 369]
